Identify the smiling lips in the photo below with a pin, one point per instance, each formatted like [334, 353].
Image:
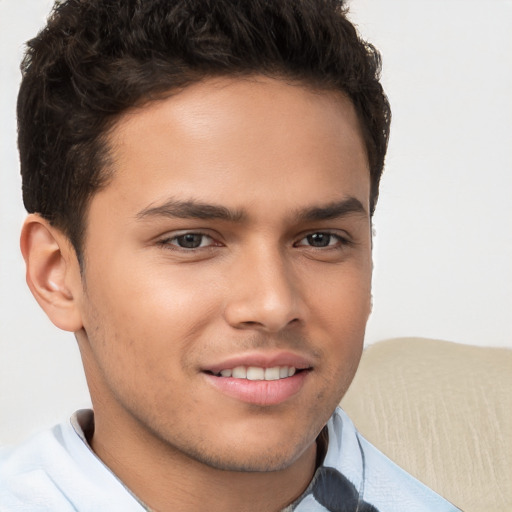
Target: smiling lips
[258, 373]
[260, 380]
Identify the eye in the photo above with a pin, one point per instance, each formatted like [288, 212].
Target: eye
[189, 241]
[322, 239]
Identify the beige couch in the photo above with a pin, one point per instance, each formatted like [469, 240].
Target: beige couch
[442, 411]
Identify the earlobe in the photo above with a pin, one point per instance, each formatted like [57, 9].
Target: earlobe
[52, 272]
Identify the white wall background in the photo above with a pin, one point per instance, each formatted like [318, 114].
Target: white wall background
[443, 246]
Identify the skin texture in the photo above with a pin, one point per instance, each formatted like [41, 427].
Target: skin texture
[151, 316]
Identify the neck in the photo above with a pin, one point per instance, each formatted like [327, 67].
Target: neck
[165, 479]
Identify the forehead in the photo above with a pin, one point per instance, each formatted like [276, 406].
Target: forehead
[238, 142]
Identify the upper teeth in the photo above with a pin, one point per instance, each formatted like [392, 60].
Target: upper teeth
[257, 373]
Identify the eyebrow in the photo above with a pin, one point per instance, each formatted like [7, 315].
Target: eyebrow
[193, 209]
[334, 210]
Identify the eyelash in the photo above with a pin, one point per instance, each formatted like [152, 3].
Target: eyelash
[341, 240]
[167, 242]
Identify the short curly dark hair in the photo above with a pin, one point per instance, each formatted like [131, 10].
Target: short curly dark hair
[97, 58]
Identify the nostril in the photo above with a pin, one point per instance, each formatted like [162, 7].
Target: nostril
[263, 308]
[254, 324]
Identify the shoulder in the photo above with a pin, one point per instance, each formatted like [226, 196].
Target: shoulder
[28, 471]
[55, 470]
[377, 480]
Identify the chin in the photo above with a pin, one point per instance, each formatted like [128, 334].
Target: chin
[255, 453]
[249, 462]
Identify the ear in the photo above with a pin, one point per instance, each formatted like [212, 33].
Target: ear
[52, 272]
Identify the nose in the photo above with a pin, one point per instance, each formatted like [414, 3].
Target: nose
[263, 293]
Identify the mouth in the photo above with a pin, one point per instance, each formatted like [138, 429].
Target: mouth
[255, 373]
[260, 379]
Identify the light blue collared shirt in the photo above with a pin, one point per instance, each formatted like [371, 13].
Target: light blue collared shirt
[57, 471]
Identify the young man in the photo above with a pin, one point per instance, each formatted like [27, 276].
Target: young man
[200, 177]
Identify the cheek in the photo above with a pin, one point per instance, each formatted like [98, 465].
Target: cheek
[146, 323]
[146, 295]
[341, 313]
[135, 356]
[343, 300]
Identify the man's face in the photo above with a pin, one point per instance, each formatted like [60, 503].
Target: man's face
[233, 243]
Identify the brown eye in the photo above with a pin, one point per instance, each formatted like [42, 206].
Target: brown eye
[320, 239]
[190, 240]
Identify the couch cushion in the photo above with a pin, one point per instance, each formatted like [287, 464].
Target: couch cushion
[442, 411]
